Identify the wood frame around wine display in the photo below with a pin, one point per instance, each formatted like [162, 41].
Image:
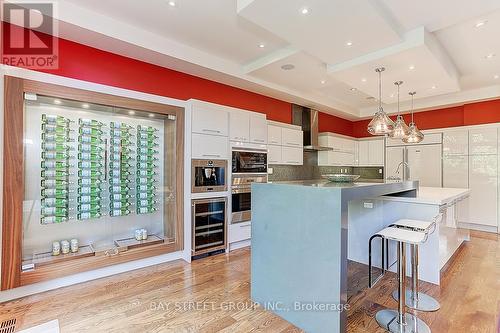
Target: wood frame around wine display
[13, 182]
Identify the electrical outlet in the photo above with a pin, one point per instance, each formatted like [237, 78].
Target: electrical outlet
[270, 171]
[368, 205]
[380, 171]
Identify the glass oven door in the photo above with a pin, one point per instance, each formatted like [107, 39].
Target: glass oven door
[241, 203]
[209, 225]
[249, 162]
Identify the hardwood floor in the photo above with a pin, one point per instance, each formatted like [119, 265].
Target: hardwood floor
[149, 300]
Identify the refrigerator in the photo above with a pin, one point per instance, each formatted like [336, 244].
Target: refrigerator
[424, 164]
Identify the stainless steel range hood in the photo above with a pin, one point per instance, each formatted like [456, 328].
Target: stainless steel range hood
[308, 120]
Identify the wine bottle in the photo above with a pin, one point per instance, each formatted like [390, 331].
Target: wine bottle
[88, 215]
[54, 137]
[90, 148]
[55, 202]
[90, 190]
[145, 158]
[60, 193]
[146, 173]
[56, 129]
[118, 181]
[88, 181]
[119, 196]
[54, 183]
[146, 181]
[90, 173]
[92, 199]
[147, 143]
[146, 195]
[90, 131]
[55, 211]
[146, 210]
[56, 155]
[146, 165]
[123, 204]
[90, 157]
[147, 136]
[147, 151]
[146, 188]
[124, 173]
[119, 189]
[147, 129]
[56, 173]
[88, 207]
[115, 165]
[55, 120]
[53, 219]
[90, 165]
[90, 139]
[119, 212]
[90, 122]
[146, 202]
[120, 126]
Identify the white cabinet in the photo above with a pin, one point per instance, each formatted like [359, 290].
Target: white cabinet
[258, 129]
[292, 155]
[456, 143]
[239, 232]
[239, 128]
[209, 146]
[425, 164]
[336, 158]
[209, 120]
[343, 153]
[483, 179]
[371, 152]
[274, 154]
[483, 141]
[456, 171]
[429, 139]
[274, 135]
[376, 152]
[291, 137]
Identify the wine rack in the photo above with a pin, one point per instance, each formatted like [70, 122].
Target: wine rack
[147, 169]
[56, 157]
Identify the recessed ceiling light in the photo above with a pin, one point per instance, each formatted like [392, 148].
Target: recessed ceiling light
[433, 87]
[85, 106]
[489, 56]
[323, 81]
[287, 67]
[411, 67]
[262, 45]
[480, 24]
[496, 77]
[57, 101]
[353, 89]
[172, 3]
[305, 10]
[349, 43]
[363, 80]
[131, 112]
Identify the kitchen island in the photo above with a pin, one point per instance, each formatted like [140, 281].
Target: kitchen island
[300, 233]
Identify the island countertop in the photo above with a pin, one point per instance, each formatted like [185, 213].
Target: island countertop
[433, 195]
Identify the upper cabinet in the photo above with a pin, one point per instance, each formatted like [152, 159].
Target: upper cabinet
[247, 126]
[292, 137]
[343, 151]
[274, 135]
[483, 141]
[363, 158]
[258, 129]
[376, 152]
[239, 126]
[210, 120]
[456, 143]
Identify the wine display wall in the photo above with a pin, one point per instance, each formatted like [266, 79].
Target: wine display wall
[93, 174]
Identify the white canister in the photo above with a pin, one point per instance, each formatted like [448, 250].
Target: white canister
[144, 234]
[56, 248]
[138, 234]
[65, 247]
[74, 245]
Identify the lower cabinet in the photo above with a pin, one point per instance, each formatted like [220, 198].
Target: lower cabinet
[240, 231]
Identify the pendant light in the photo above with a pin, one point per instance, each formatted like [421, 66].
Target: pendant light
[381, 124]
[415, 136]
[400, 130]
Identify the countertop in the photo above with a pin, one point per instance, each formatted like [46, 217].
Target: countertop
[433, 195]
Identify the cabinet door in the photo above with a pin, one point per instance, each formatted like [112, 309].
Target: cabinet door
[292, 155]
[456, 171]
[210, 121]
[483, 185]
[425, 165]
[239, 126]
[394, 157]
[274, 154]
[456, 143]
[209, 146]
[274, 135]
[291, 137]
[483, 141]
[258, 129]
[376, 152]
[363, 159]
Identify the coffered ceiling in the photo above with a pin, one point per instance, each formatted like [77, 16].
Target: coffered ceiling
[320, 53]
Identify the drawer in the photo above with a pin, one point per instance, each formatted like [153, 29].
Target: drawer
[240, 231]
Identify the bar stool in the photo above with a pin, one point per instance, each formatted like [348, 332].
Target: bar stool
[400, 321]
[414, 299]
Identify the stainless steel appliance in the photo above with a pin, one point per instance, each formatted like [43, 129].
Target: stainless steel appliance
[241, 196]
[208, 176]
[308, 120]
[209, 225]
[245, 160]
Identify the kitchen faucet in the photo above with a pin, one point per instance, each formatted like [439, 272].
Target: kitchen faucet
[407, 169]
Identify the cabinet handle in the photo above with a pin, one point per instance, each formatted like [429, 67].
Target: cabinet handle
[211, 155]
[274, 141]
[292, 144]
[258, 140]
[210, 130]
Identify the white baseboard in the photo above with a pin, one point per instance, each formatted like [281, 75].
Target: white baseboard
[478, 227]
[87, 276]
[239, 245]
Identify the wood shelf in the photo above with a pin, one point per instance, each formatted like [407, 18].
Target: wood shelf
[131, 243]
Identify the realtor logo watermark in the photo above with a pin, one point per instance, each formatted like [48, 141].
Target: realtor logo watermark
[28, 34]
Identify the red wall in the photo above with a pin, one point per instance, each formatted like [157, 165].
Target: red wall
[330, 123]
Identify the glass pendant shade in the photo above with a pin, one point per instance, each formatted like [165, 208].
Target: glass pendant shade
[401, 130]
[381, 124]
[414, 136]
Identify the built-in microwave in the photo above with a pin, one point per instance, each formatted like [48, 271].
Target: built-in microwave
[208, 176]
[249, 161]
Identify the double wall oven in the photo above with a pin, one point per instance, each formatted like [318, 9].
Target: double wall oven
[248, 166]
